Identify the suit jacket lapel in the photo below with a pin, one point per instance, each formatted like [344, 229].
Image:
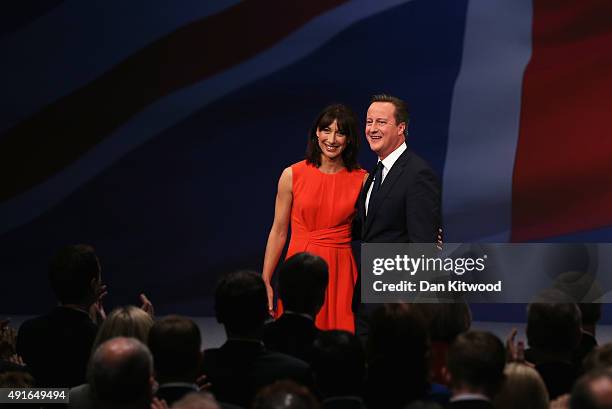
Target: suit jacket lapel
[385, 187]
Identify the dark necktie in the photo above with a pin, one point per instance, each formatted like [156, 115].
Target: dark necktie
[377, 181]
[377, 178]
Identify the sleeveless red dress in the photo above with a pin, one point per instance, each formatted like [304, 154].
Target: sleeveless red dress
[321, 215]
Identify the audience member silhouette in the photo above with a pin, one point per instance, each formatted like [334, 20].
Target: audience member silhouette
[199, 400]
[128, 321]
[475, 369]
[338, 364]
[175, 344]
[590, 313]
[598, 358]
[302, 285]
[241, 366]
[593, 391]
[523, 388]
[553, 333]
[121, 375]
[285, 395]
[444, 321]
[56, 346]
[397, 354]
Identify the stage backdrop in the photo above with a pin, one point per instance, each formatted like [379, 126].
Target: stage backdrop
[156, 131]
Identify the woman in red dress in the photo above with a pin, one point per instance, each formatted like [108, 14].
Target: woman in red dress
[318, 196]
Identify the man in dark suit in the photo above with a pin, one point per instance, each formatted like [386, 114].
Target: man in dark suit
[302, 283]
[400, 202]
[175, 343]
[338, 364]
[476, 362]
[56, 346]
[553, 334]
[241, 366]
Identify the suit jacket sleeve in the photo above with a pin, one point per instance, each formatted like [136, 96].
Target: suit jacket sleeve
[423, 207]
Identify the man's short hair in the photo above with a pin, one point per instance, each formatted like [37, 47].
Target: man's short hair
[302, 282]
[338, 363]
[197, 400]
[175, 344]
[285, 395]
[402, 111]
[477, 359]
[600, 357]
[593, 391]
[71, 271]
[553, 326]
[120, 372]
[241, 301]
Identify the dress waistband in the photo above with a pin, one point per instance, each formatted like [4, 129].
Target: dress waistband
[339, 237]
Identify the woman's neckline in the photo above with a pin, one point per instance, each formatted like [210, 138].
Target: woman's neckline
[331, 174]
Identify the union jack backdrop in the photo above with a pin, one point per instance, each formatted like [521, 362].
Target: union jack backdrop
[157, 130]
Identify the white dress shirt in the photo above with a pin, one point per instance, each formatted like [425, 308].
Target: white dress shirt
[388, 163]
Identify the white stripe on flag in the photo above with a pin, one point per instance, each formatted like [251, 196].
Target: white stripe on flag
[484, 122]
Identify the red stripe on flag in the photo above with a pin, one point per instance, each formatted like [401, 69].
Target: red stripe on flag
[58, 135]
[562, 179]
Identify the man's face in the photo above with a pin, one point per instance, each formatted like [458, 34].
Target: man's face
[382, 132]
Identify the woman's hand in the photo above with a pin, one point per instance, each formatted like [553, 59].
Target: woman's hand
[270, 292]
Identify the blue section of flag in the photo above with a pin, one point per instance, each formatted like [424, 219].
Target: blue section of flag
[198, 199]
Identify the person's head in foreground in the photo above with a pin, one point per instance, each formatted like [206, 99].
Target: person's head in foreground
[302, 280]
[338, 363]
[553, 328]
[476, 361]
[397, 354]
[523, 388]
[285, 395]
[599, 358]
[75, 275]
[175, 343]
[128, 321]
[197, 400]
[241, 304]
[593, 391]
[121, 374]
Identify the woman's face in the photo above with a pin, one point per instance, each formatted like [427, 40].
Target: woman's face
[331, 141]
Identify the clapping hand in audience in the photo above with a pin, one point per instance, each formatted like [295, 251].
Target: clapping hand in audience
[8, 342]
[158, 404]
[96, 311]
[147, 306]
[515, 350]
[562, 402]
[440, 240]
[203, 384]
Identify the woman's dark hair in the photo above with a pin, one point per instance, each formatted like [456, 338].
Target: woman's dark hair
[347, 125]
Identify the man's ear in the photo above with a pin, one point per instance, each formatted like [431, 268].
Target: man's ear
[446, 375]
[93, 286]
[154, 385]
[402, 127]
